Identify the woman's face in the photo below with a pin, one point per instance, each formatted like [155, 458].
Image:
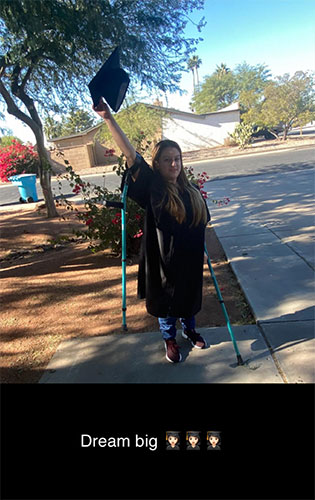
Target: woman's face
[169, 164]
[172, 440]
[193, 440]
[213, 440]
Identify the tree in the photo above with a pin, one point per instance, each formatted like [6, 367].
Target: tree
[76, 121]
[141, 123]
[250, 83]
[52, 48]
[222, 70]
[194, 64]
[288, 102]
[6, 140]
[52, 128]
[244, 84]
[217, 92]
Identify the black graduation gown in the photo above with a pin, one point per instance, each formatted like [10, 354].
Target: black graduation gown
[189, 447]
[171, 262]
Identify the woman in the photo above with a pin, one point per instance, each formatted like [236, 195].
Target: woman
[173, 440]
[214, 440]
[172, 251]
[193, 440]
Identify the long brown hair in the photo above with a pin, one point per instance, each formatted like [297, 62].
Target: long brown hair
[174, 205]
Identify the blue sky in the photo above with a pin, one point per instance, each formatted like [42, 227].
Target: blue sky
[277, 33]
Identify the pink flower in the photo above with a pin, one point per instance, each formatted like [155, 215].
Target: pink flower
[138, 234]
[77, 188]
[109, 152]
[88, 222]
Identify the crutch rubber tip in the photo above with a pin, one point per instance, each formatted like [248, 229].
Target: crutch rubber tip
[240, 362]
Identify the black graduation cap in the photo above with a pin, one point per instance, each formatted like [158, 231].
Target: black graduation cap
[172, 433]
[192, 433]
[110, 82]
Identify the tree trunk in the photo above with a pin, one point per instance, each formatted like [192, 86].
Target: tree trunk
[34, 122]
[197, 74]
[194, 81]
[45, 176]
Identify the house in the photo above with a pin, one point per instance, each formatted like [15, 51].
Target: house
[190, 130]
[80, 149]
[193, 131]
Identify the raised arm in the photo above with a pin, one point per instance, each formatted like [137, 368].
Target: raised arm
[118, 135]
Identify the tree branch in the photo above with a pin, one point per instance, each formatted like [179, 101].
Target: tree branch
[26, 77]
[15, 111]
[2, 66]
[18, 91]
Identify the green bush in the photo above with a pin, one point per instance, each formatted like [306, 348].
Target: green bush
[102, 225]
[242, 134]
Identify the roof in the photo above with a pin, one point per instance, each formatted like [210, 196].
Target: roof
[231, 107]
[77, 134]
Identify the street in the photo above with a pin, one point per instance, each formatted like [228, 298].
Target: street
[247, 165]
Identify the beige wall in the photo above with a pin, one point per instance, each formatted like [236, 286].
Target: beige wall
[77, 156]
[81, 152]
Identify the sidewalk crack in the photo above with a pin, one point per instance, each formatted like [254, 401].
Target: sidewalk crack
[272, 353]
[291, 248]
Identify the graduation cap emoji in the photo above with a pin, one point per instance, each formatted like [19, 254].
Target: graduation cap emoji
[110, 82]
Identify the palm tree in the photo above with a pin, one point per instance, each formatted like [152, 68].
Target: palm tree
[222, 70]
[193, 64]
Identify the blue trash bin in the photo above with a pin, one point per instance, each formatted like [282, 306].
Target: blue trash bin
[27, 187]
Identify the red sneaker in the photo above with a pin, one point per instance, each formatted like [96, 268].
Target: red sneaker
[172, 351]
[195, 339]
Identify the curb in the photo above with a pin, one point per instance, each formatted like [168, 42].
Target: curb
[258, 323]
[248, 153]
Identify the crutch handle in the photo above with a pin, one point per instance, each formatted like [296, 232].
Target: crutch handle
[114, 204]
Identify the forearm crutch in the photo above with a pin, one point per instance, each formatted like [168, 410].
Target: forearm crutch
[123, 206]
[227, 319]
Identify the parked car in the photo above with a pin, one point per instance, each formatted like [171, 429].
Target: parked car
[266, 133]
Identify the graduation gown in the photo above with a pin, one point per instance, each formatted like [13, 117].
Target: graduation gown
[171, 262]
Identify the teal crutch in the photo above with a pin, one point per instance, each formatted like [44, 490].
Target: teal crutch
[123, 206]
[227, 319]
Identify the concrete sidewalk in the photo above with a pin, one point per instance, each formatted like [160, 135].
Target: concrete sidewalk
[140, 358]
[267, 234]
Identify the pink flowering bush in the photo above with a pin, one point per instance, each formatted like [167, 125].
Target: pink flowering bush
[102, 225]
[17, 159]
[200, 179]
